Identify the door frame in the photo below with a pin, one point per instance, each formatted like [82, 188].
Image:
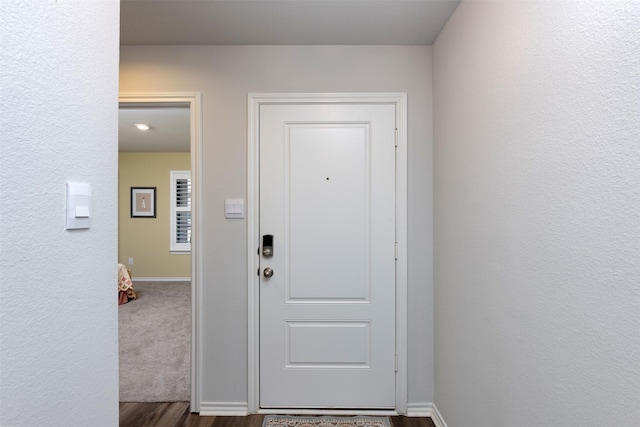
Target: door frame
[255, 100]
[194, 101]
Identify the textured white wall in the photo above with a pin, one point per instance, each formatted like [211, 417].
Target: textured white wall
[537, 214]
[58, 123]
[224, 75]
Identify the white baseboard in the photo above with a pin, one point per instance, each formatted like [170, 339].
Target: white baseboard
[224, 409]
[437, 417]
[161, 279]
[419, 409]
[426, 410]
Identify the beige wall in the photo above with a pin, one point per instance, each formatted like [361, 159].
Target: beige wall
[225, 75]
[146, 240]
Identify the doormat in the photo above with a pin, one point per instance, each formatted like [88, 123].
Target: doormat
[306, 421]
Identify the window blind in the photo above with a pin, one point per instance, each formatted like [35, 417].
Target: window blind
[180, 211]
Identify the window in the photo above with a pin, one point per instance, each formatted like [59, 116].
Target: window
[180, 211]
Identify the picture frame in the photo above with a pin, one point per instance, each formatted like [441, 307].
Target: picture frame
[143, 202]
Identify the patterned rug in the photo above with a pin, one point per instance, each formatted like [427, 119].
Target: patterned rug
[306, 421]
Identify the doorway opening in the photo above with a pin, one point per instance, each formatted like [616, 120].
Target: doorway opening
[172, 262]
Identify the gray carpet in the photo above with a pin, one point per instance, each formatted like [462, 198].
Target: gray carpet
[155, 343]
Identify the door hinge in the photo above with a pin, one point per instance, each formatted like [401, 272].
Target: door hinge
[258, 272]
[396, 137]
[396, 250]
[396, 363]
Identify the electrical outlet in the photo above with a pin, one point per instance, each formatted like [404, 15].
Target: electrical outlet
[130, 261]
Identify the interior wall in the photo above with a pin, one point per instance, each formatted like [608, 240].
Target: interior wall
[146, 240]
[537, 214]
[59, 123]
[225, 75]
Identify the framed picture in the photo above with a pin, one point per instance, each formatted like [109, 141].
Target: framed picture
[143, 202]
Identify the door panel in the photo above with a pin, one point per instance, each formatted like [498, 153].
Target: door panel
[322, 344]
[328, 218]
[327, 315]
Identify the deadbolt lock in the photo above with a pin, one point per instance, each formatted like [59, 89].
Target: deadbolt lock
[267, 245]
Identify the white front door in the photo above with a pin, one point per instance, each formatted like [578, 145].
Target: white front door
[328, 198]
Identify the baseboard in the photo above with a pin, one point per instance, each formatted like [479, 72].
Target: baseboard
[426, 410]
[161, 279]
[224, 409]
[437, 417]
[419, 409]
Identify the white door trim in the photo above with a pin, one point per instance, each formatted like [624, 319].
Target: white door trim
[194, 101]
[253, 237]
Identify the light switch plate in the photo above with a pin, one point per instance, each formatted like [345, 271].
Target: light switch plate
[234, 208]
[78, 205]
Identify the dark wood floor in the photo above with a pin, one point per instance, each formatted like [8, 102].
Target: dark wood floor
[176, 414]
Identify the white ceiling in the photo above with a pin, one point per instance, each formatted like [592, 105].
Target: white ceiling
[262, 22]
[283, 22]
[169, 129]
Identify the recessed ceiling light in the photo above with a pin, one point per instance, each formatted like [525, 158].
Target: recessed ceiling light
[142, 126]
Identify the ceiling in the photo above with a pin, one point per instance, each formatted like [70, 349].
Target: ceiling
[262, 22]
[283, 22]
[168, 129]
